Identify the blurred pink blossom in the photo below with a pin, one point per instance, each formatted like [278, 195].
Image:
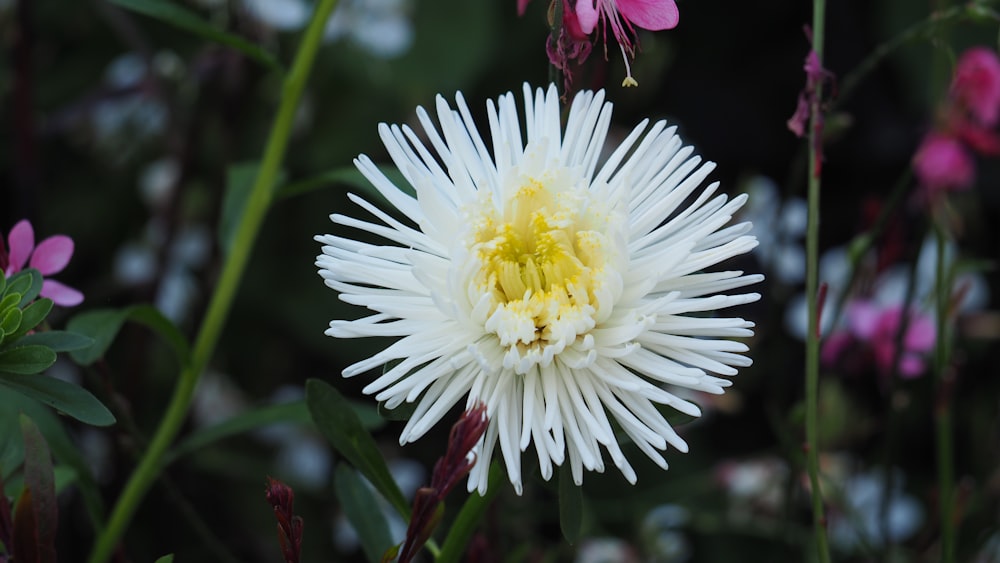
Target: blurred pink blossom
[976, 84]
[49, 257]
[874, 327]
[944, 161]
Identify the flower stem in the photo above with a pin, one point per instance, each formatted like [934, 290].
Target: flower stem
[260, 198]
[812, 286]
[465, 523]
[942, 410]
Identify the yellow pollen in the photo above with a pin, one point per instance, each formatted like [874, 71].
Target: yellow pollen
[541, 258]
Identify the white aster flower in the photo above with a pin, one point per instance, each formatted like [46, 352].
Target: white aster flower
[568, 297]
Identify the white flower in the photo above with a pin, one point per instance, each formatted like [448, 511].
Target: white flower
[566, 296]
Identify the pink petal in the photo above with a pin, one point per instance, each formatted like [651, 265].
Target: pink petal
[52, 254]
[977, 84]
[587, 14]
[522, 5]
[834, 347]
[921, 334]
[862, 316]
[942, 163]
[22, 242]
[654, 15]
[911, 366]
[61, 294]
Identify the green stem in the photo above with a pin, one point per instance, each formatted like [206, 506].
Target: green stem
[467, 519]
[942, 411]
[260, 198]
[812, 285]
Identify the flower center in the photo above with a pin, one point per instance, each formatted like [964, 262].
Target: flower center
[543, 268]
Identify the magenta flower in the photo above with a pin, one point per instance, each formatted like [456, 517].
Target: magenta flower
[49, 257]
[976, 84]
[623, 16]
[942, 163]
[874, 328]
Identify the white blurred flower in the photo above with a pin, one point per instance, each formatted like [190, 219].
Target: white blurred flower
[780, 250]
[858, 522]
[280, 15]
[384, 28]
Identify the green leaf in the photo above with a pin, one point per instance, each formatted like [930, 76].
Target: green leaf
[363, 511]
[71, 399]
[239, 424]
[10, 321]
[58, 340]
[169, 558]
[39, 479]
[28, 283]
[9, 302]
[570, 505]
[350, 176]
[152, 318]
[102, 325]
[340, 425]
[240, 179]
[26, 359]
[33, 315]
[294, 412]
[178, 16]
[63, 448]
[457, 540]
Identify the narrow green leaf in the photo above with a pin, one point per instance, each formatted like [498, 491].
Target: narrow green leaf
[40, 480]
[457, 540]
[152, 318]
[340, 425]
[3, 283]
[347, 175]
[363, 511]
[27, 283]
[169, 558]
[9, 302]
[58, 340]
[32, 316]
[71, 399]
[26, 359]
[63, 448]
[180, 17]
[570, 505]
[10, 321]
[103, 325]
[239, 184]
[263, 416]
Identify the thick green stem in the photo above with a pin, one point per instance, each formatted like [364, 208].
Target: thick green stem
[942, 410]
[260, 198]
[812, 286]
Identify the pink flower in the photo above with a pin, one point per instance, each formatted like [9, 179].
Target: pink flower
[874, 327]
[976, 84]
[49, 257]
[623, 16]
[943, 163]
